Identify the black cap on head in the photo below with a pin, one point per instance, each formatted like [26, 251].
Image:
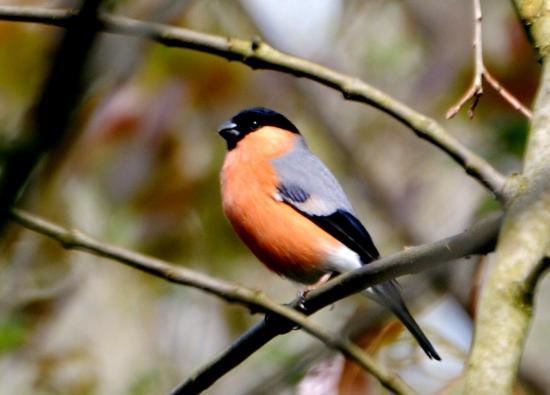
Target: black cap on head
[250, 120]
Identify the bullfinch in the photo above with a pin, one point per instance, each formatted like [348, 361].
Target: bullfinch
[292, 213]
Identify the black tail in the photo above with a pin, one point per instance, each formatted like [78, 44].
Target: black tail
[388, 295]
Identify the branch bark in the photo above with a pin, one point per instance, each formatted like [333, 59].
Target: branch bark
[259, 55]
[506, 303]
[480, 238]
[255, 300]
[281, 319]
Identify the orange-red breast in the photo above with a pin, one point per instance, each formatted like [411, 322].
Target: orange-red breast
[292, 213]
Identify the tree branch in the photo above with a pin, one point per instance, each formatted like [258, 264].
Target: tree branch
[49, 122]
[281, 319]
[259, 55]
[480, 72]
[255, 300]
[480, 238]
[506, 94]
[476, 89]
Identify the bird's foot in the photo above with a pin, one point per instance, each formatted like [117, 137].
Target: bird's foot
[302, 299]
[303, 292]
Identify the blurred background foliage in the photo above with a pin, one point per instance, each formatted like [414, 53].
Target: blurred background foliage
[142, 172]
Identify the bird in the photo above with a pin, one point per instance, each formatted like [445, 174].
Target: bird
[288, 208]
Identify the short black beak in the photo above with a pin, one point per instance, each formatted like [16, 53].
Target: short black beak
[228, 130]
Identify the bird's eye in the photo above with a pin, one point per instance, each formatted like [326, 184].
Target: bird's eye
[254, 123]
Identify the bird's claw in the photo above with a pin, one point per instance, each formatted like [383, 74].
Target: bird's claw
[302, 299]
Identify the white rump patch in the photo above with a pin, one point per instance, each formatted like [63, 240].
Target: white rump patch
[342, 260]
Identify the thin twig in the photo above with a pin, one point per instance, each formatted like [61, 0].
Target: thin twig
[509, 97]
[478, 45]
[253, 299]
[475, 91]
[259, 55]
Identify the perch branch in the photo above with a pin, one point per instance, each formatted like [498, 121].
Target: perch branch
[255, 300]
[480, 238]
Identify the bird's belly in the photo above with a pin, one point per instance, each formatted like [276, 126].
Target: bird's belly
[283, 239]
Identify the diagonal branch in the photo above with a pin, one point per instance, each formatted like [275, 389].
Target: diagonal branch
[259, 55]
[480, 73]
[255, 300]
[480, 238]
[281, 319]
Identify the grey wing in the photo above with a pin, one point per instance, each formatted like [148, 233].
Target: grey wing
[308, 184]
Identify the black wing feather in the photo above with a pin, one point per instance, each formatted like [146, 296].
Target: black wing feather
[341, 224]
[346, 228]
